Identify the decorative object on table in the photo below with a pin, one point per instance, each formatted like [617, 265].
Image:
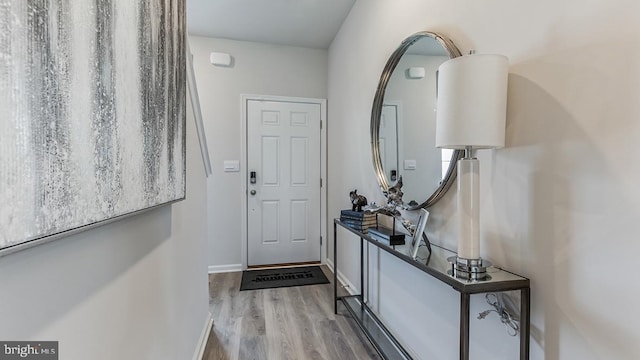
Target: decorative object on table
[358, 220]
[392, 211]
[394, 194]
[389, 210]
[471, 114]
[357, 201]
[94, 112]
[417, 234]
[388, 235]
[385, 234]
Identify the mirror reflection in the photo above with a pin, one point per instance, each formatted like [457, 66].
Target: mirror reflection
[408, 120]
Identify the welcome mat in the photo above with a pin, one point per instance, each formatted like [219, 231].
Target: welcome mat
[274, 278]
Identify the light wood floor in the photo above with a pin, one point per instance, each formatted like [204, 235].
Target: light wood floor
[294, 323]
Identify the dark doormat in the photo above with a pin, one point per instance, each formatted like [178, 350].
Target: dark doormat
[274, 278]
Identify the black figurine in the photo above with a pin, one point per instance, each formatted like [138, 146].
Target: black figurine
[358, 201]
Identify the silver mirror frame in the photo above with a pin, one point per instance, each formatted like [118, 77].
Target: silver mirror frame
[376, 113]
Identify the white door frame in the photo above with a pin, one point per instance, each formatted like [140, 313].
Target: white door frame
[399, 135]
[323, 168]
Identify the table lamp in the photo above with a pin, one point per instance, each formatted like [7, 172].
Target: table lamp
[471, 114]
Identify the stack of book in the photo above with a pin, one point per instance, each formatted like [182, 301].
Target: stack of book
[358, 220]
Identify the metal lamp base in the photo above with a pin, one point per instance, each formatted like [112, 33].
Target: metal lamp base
[469, 269]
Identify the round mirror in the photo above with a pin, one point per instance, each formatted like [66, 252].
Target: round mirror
[403, 123]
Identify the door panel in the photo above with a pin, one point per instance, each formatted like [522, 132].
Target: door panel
[270, 152]
[269, 223]
[299, 162]
[283, 147]
[299, 220]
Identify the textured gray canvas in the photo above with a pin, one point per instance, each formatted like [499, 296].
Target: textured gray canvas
[92, 100]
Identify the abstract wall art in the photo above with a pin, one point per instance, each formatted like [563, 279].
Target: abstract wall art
[92, 107]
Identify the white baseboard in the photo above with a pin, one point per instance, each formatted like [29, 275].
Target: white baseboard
[329, 264]
[202, 341]
[224, 268]
[352, 289]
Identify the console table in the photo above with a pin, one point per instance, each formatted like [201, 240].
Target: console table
[437, 266]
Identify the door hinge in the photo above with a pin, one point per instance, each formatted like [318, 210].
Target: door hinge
[320, 182]
[320, 124]
[320, 240]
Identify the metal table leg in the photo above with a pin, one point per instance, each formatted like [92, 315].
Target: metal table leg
[361, 271]
[525, 318]
[335, 269]
[464, 325]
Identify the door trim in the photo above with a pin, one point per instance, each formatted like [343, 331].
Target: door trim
[399, 133]
[244, 98]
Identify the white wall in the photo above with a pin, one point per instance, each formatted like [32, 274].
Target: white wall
[133, 289]
[559, 203]
[257, 69]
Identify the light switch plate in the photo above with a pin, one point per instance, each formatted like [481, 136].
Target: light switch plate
[231, 165]
[409, 164]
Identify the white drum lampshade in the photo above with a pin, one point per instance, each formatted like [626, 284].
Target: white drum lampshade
[471, 114]
[472, 102]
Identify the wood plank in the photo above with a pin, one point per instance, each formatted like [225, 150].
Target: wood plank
[303, 323]
[279, 324]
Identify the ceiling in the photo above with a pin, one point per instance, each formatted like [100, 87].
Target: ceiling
[307, 23]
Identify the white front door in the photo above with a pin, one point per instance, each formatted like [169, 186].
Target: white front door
[283, 203]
